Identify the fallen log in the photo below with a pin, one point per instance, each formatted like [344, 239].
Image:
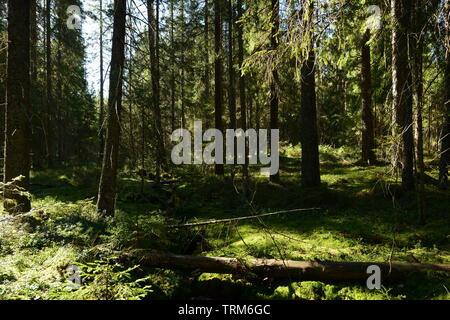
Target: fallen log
[204, 223]
[327, 271]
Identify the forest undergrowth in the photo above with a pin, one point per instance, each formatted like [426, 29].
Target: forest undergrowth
[362, 215]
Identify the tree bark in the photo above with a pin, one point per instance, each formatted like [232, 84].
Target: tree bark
[231, 79]
[172, 68]
[3, 57]
[37, 145]
[60, 19]
[368, 135]
[402, 92]
[274, 81]
[242, 88]
[207, 90]
[328, 271]
[49, 87]
[153, 39]
[445, 138]
[102, 100]
[131, 119]
[308, 112]
[231, 72]
[183, 71]
[33, 42]
[418, 81]
[17, 128]
[108, 179]
[218, 70]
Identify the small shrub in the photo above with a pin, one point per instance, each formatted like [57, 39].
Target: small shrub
[110, 281]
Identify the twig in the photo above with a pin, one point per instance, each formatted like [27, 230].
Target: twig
[188, 225]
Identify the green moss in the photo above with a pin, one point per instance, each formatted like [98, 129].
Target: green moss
[356, 222]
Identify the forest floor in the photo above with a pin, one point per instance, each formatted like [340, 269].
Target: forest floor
[363, 216]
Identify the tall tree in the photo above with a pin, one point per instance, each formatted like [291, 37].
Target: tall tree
[418, 47]
[207, 90]
[33, 42]
[402, 91]
[17, 129]
[308, 112]
[172, 67]
[368, 134]
[242, 82]
[231, 77]
[108, 179]
[37, 145]
[3, 57]
[218, 70]
[49, 84]
[231, 71]
[445, 138]
[183, 67]
[154, 70]
[60, 39]
[274, 95]
[130, 81]
[102, 82]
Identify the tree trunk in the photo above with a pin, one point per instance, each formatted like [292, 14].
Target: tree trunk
[154, 69]
[172, 69]
[3, 57]
[207, 90]
[402, 92]
[308, 113]
[418, 81]
[368, 135]
[231, 72]
[17, 129]
[143, 146]
[37, 145]
[445, 138]
[130, 81]
[33, 40]
[60, 20]
[49, 87]
[242, 88]
[183, 30]
[274, 96]
[102, 100]
[231, 79]
[218, 70]
[107, 186]
[328, 271]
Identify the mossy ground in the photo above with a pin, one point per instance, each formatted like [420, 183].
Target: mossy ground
[363, 216]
